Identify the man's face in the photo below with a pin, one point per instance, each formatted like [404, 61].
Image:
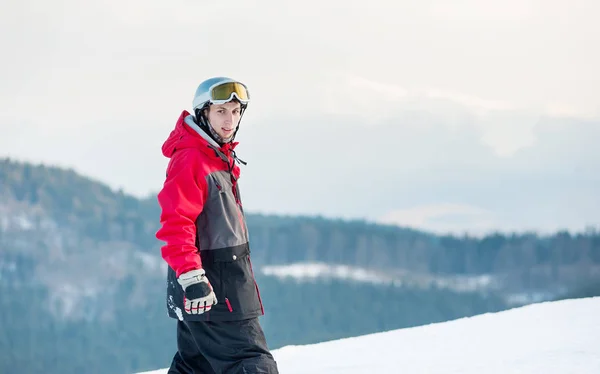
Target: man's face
[224, 118]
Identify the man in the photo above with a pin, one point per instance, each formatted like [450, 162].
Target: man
[211, 289]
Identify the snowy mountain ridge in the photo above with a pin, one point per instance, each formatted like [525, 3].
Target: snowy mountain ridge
[315, 271]
[559, 337]
[304, 272]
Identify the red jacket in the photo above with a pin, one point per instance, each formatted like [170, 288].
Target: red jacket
[203, 224]
[185, 191]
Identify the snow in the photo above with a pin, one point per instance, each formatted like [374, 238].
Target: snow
[72, 300]
[303, 272]
[556, 337]
[527, 298]
[10, 219]
[150, 262]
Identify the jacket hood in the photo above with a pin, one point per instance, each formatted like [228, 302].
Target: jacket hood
[187, 134]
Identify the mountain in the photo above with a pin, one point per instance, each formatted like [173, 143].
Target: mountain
[82, 282]
[539, 338]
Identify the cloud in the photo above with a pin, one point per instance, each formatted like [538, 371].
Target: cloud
[476, 104]
[507, 133]
[501, 126]
[445, 217]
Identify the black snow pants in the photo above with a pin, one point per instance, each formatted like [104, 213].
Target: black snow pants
[232, 347]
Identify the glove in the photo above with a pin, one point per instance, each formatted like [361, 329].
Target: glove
[198, 294]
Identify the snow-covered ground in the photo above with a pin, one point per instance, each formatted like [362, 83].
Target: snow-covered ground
[560, 337]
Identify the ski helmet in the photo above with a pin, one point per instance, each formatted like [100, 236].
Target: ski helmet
[219, 90]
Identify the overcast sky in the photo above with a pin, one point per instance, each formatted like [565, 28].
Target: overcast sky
[448, 116]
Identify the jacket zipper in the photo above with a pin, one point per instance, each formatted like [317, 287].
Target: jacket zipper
[262, 309]
[222, 266]
[238, 205]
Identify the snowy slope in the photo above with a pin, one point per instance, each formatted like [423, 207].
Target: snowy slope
[551, 338]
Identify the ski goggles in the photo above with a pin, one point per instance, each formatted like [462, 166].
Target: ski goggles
[224, 92]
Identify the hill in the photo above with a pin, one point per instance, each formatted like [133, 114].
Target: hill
[552, 338]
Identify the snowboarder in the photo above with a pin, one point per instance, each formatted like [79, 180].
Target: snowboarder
[211, 289]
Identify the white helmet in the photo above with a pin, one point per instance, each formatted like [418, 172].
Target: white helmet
[220, 90]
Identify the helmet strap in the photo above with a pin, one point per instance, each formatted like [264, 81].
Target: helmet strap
[205, 125]
[242, 110]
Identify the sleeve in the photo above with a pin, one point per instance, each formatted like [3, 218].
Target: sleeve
[181, 201]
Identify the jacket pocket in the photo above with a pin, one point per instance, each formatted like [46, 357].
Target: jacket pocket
[239, 287]
[233, 280]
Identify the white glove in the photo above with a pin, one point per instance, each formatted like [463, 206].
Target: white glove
[198, 294]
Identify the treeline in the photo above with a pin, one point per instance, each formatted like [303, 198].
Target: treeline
[97, 212]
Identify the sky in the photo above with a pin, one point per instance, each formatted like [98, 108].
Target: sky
[537, 338]
[470, 116]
